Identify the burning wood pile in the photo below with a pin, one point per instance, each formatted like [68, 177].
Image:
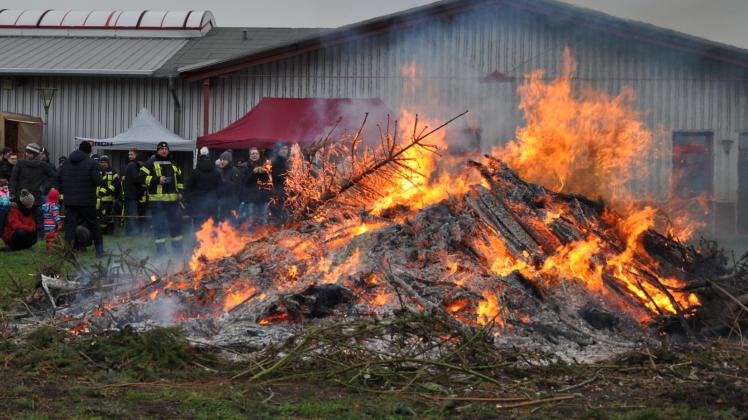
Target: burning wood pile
[381, 231]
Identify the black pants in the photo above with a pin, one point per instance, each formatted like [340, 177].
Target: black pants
[167, 220]
[75, 215]
[22, 239]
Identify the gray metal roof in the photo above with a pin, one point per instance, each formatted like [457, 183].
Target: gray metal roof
[558, 11]
[221, 43]
[85, 56]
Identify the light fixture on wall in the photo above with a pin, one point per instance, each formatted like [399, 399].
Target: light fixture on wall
[727, 145]
[46, 94]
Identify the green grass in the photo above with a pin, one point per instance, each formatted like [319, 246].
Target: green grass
[19, 270]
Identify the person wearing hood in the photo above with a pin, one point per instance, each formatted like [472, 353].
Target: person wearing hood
[278, 213]
[35, 176]
[201, 191]
[163, 180]
[20, 228]
[52, 218]
[78, 180]
[228, 193]
[135, 197]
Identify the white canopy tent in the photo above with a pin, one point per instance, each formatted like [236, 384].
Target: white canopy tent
[144, 133]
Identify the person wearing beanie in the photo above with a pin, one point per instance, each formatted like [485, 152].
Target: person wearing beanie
[35, 176]
[201, 191]
[52, 218]
[108, 195]
[163, 181]
[20, 228]
[204, 151]
[9, 162]
[134, 194]
[228, 193]
[78, 180]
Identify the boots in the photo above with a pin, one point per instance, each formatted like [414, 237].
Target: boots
[99, 250]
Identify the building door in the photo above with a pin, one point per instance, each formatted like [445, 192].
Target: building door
[743, 183]
[693, 174]
[11, 135]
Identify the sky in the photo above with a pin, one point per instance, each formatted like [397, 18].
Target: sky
[717, 20]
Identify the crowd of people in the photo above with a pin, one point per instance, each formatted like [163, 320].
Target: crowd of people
[85, 197]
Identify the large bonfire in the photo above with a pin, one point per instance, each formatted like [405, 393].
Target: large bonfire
[518, 243]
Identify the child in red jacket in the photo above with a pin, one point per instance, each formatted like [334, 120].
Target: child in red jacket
[51, 217]
[20, 228]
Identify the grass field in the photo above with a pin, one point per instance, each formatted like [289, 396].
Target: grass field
[157, 374]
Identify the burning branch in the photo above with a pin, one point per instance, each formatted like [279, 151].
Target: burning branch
[350, 172]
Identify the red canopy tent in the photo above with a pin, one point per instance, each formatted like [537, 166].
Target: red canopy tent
[298, 120]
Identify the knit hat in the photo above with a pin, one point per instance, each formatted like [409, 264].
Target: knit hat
[85, 147]
[227, 155]
[162, 144]
[95, 157]
[53, 196]
[62, 159]
[33, 148]
[104, 158]
[204, 151]
[26, 199]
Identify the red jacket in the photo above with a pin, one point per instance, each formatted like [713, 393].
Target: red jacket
[18, 220]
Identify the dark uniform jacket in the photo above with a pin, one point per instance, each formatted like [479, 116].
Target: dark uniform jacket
[78, 180]
[111, 189]
[34, 175]
[133, 189]
[151, 173]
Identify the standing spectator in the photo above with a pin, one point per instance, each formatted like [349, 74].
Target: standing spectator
[4, 202]
[20, 228]
[4, 171]
[163, 179]
[231, 183]
[52, 218]
[134, 193]
[257, 188]
[278, 212]
[61, 161]
[35, 176]
[108, 195]
[79, 179]
[202, 190]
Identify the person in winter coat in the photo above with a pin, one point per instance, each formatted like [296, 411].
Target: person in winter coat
[108, 195]
[229, 192]
[201, 191]
[35, 176]
[163, 179]
[52, 218]
[4, 203]
[278, 213]
[134, 192]
[78, 180]
[5, 167]
[20, 227]
[257, 188]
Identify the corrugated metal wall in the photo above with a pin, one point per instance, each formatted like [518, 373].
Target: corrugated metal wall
[677, 91]
[101, 107]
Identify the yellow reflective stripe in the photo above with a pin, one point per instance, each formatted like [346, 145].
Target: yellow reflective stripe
[163, 197]
[160, 241]
[177, 238]
[180, 186]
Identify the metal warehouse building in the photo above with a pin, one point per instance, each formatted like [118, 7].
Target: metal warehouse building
[469, 54]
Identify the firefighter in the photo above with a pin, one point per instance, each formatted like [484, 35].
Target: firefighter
[163, 181]
[108, 195]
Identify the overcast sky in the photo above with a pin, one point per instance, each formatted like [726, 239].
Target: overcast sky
[718, 20]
